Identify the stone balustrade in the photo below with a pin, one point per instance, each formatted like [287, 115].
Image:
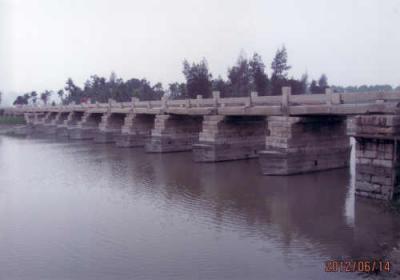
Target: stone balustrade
[285, 104]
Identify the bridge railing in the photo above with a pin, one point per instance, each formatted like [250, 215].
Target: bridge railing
[286, 100]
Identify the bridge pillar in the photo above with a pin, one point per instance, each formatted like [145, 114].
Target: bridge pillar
[43, 122]
[136, 130]
[59, 118]
[174, 133]
[34, 123]
[71, 121]
[87, 127]
[38, 118]
[110, 127]
[377, 155]
[29, 118]
[304, 144]
[230, 138]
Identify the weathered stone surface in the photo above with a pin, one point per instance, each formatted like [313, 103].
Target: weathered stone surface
[112, 122]
[376, 165]
[71, 120]
[304, 144]
[109, 127]
[82, 133]
[174, 133]
[126, 140]
[50, 129]
[375, 125]
[62, 131]
[86, 128]
[229, 138]
[23, 130]
[136, 130]
[106, 136]
[295, 162]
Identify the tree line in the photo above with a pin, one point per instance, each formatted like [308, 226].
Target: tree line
[245, 76]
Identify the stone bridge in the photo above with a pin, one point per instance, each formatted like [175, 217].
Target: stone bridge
[290, 134]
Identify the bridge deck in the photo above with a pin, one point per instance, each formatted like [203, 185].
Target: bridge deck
[285, 104]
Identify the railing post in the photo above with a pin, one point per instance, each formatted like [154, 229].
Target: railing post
[216, 95]
[253, 96]
[328, 96]
[110, 103]
[164, 104]
[198, 100]
[380, 99]
[286, 92]
[133, 103]
[332, 98]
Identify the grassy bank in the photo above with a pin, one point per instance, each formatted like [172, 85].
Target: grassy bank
[12, 120]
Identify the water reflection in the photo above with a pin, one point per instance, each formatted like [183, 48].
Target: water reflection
[93, 211]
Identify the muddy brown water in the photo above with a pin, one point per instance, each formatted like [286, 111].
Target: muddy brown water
[78, 210]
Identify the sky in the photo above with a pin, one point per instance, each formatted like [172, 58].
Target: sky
[43, 42]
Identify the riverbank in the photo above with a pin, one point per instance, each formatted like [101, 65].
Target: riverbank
[12, 120]
[8, 124]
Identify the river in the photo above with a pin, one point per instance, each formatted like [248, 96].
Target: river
[78, 210]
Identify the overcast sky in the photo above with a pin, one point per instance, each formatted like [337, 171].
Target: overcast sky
[43, 42]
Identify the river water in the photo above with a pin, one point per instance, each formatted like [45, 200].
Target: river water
[78, 210]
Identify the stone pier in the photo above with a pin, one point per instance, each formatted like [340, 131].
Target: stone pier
[377, 155]
[70, 122]
[37, 118]
[34, 123]
[230, 138]
[87, 127]
[110, 127]
[51, 128]
[42, 123]
[136, 130]
[304, 144]
[29, 118]
[174, 133]
[50, 117]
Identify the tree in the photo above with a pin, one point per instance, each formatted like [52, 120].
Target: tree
[158, 91]
[240, 77]
[297, 86]
[280, 69]
[21, 100]
[45, 96]
[198, 78]
[314, 88]
[26, 97]
[323, 82]
[33, 95]
[279, 64]
[259, 79]
[304, 83]
[177, 90]
[60, 94]
[174, 91]
[220, 85]
[74, 92]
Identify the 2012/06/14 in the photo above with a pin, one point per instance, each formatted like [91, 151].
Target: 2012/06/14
[357, 266]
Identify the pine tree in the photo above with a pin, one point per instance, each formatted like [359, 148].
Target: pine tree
[198, 79]
[279, 64]
[259, 79]
[280, 69]
[240, 77]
